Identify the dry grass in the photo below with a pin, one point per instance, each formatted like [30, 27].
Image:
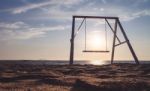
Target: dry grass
[117, 77]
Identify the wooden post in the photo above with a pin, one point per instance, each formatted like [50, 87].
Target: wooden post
[114, 41]
[128, 43]
[72, 42]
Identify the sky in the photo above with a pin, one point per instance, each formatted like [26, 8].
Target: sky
[41, 29]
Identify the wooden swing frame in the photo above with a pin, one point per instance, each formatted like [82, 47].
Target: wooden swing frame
[114, 31]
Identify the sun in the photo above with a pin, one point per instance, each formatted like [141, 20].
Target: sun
[96, 40]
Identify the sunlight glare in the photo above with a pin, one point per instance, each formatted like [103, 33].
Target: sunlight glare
[97, 62]
[96, 40]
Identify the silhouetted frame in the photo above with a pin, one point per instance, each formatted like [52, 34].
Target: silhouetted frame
[117, 24]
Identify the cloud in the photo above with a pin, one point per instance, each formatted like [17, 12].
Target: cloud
[31, 6]
[134, 15]
[20, 30]
[97, 9]
[64, 9]
[142, 13]
[15, 25]
[104, 1]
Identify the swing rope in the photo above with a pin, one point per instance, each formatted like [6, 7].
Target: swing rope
[106, 35]
[85, 32]
[106, 50]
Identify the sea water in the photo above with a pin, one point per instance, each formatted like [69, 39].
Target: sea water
[64, 62]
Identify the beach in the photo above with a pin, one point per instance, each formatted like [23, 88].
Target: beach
[115, 77]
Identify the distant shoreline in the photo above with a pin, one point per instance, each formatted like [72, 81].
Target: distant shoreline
[66, 62]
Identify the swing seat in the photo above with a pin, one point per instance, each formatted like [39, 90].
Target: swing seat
[96, 51]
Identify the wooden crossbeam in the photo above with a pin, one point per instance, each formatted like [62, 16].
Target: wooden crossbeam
[96, 51]
[120, 43]
[100, 17]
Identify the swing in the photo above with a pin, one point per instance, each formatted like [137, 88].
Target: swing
[96, 51]
[116, 25]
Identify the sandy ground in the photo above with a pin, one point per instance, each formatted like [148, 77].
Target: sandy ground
[116, 77]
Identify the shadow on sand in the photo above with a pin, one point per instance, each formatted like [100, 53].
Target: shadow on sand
[39, 79]
[110, 86]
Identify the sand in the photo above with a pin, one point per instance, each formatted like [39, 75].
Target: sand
[116, 77]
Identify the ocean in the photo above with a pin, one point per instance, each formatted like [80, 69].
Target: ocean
[65, 62]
